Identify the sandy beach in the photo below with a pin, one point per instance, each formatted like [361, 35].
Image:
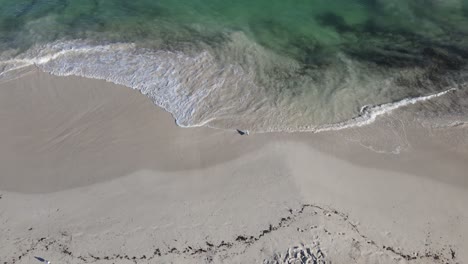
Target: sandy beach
[93, 172]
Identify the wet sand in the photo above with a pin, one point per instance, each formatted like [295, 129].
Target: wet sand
[94, 172]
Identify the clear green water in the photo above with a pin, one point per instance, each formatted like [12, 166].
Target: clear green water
[315, 61]
[292, 27]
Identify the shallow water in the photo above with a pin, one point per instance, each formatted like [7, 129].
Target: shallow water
[258, 65]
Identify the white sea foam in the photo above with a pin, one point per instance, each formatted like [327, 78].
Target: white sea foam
[177, 82]
[369, 114]
[198, 90]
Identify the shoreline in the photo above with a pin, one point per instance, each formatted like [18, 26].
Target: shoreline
[100, 162]
[171, 70]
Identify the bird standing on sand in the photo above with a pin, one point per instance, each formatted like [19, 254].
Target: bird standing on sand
[42, 260]
[242, 132]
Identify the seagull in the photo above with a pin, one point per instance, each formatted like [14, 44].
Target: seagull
[42, 260]
[242, 132]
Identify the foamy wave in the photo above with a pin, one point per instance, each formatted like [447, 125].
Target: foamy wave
[177, 82]
[369, 114]
[199, 90]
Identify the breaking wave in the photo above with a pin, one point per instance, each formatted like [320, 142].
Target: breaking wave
[238, 90]
[369, 114]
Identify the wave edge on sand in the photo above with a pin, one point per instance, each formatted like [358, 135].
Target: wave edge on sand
[195, 89]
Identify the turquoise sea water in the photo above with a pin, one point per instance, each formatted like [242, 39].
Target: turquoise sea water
[264, 65]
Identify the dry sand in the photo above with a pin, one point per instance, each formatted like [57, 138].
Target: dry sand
[92, 172]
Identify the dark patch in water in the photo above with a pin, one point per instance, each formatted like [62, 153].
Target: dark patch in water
[335, 21]
[443, 59]
[402, 49]
[9, 24]
[387, 58]
[25, 9]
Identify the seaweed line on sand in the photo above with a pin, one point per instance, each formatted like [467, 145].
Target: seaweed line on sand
[210, 248]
